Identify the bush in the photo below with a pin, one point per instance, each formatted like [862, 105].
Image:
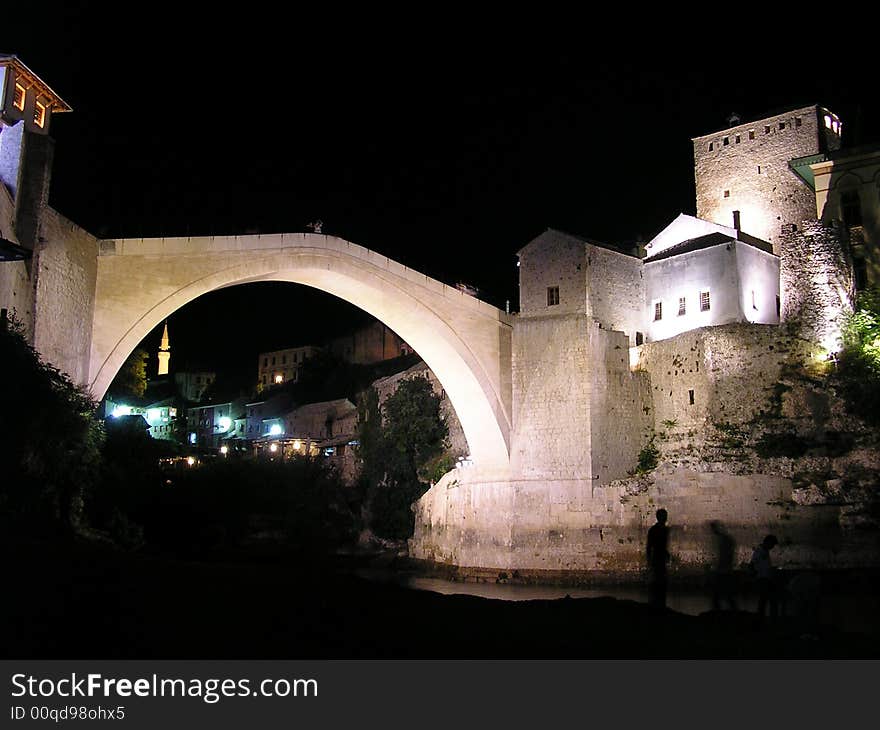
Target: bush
[51, 456]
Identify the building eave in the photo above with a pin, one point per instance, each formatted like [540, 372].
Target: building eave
[56, 104]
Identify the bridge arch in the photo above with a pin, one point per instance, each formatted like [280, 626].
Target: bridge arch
[465, 342]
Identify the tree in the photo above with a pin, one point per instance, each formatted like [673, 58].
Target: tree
[131, 380]
[395, 445]
[858, 374]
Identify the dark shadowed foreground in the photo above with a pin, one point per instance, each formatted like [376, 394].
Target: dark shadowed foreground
[81, 601]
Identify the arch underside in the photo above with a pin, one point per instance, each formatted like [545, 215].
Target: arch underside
[463, 350]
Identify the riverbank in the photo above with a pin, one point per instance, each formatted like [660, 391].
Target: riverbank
[76, 600]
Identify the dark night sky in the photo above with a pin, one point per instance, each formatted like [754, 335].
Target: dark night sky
[446, 143]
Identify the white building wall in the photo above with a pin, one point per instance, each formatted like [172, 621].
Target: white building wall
[759, 284]
[712, 270]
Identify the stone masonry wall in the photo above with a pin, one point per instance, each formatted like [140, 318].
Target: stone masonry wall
[616, 290]
[16, 292]
[816, 281]
[749, 382]
[65, 269]
[551, 397]
[553, 259]
[621, 419]
[752, 175]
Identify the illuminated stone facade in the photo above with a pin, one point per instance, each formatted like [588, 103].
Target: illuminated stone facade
[746, 168]
[557, 402]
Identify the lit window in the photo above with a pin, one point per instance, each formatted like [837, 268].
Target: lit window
[39, 115]
[834, 126]
[682, 306]
[552, 295]
[704, 301]
[18, 100]
[751, 134]
[279, 378]
[828, 121]
[658, 311]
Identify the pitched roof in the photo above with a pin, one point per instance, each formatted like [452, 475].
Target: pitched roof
[707, 241]
[56, 103]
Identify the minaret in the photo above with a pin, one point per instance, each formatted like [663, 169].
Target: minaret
[164, 352]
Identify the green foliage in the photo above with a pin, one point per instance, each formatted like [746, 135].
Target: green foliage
[670, 423]
[51, 454]
[131, 380]
[649, 457]
[400, 449]
[858, 372]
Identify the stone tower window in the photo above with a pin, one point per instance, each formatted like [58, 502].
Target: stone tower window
[658, 311]
[39, 114]
[711, 146]
[726, 193]
[781, 126]
[737, 139]
[691, 397]
[682, 306]
[704, 301]
[751, 134]
[797, 121]
[552, 296]
[18, 99]
[766, 129]
[726, 141]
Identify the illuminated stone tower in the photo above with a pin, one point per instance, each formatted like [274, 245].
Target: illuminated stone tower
[164, 352]
[745, 169]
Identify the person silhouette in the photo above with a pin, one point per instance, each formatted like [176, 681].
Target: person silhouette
[657, 554]
[724, 580]
[765, 577]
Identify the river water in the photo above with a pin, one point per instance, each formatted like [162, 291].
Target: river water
[855, 611]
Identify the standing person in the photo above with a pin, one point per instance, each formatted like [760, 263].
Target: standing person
[657, 554]
[724, 579]
[765, 576]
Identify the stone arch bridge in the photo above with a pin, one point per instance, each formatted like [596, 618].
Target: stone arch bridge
[465, 341]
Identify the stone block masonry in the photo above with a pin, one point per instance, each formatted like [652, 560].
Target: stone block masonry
[745, 168]
[65, 273]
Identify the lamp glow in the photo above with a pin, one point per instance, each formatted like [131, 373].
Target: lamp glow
[275, 430]
[121, 411]
[224, 450]
[273, 448]
[224, 423]
[190, 460]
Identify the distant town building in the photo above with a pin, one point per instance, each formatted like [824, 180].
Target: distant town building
[208, 426]
[282, 366]
[192, 385]
[370, 344]
[162, 416]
